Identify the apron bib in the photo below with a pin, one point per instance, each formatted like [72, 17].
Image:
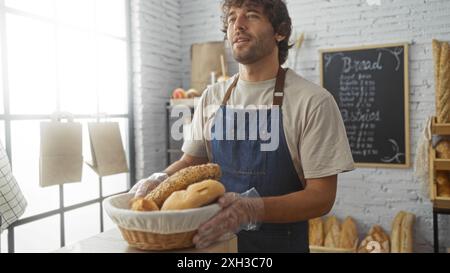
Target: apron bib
[244, 165]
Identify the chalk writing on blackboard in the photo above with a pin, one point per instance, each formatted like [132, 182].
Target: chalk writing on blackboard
[370, 88]
[396, 52]
[396, 153]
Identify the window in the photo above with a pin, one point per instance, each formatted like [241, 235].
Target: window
[61, 55]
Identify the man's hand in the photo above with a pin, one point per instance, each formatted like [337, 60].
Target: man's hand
[238, 212]
[146, 185]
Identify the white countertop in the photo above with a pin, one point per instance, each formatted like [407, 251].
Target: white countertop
[112, 242]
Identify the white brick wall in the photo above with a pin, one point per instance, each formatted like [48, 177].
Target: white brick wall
[156, 39]
[372, 196]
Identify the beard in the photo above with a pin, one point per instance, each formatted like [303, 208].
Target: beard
[254, 50]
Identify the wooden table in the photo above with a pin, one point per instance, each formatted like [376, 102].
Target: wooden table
[112, 242]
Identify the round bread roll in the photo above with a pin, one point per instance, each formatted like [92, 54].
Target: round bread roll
[192, 93]
[179, 93]
[142, 204]
[443, 183]
[443, 190]
[443, 149]
[195, 196]
[442, 178]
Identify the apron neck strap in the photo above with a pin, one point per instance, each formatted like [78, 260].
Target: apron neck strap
[229, 91]
[278, 93]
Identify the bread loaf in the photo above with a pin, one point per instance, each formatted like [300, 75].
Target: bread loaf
[376, 241]
[181, 180]
[402, 233]
[443, 149]
[195, 196]
[442, 178]
[331, 221]
[349, 234]
[406, 242]
[381, 237]
[332, 231]
[437, 56]
[443, 183]
[437, 80]
[396, 232]
[443, 190]
[444, 84]
[316, 232]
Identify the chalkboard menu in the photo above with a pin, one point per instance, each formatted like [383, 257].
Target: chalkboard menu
[370, 85]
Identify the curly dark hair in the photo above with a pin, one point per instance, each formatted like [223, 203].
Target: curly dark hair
[276, 11]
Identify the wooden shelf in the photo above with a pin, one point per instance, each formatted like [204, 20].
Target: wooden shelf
[442, 164]
[436, 164]
[441, 202]
[440, 128]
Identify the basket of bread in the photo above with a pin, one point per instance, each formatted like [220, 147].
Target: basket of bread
[331, 236]
[168, 217]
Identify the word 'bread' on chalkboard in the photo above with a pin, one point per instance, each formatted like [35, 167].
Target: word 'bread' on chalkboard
[370, 86]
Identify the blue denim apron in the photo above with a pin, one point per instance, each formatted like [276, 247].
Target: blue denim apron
[272, 173]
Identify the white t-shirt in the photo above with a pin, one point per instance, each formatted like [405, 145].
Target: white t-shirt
[313, 126]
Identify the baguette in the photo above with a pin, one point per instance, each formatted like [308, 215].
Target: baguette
[396, 232]
[406, 245]
[316, 232]
[332, 232]
[331, 221]
[181, 180]
[349, 233]
[437, 56]
[444, 84]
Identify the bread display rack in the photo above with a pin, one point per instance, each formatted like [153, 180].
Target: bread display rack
[437, 164]
[441, 205]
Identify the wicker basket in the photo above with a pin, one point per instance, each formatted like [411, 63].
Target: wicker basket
[324, 249]
[155, 241]
[158, 230]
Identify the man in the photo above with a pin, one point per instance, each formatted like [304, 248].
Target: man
[289, 184]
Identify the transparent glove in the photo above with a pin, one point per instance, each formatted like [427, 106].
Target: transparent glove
[146, 185]
[239, 212]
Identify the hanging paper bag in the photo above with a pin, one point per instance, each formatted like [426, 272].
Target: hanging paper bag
[61, 158]
[108, 155]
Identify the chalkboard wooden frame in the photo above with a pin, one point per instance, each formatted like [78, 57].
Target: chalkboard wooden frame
[407, 163]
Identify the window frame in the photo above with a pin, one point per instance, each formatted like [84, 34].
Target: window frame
[7, 118]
